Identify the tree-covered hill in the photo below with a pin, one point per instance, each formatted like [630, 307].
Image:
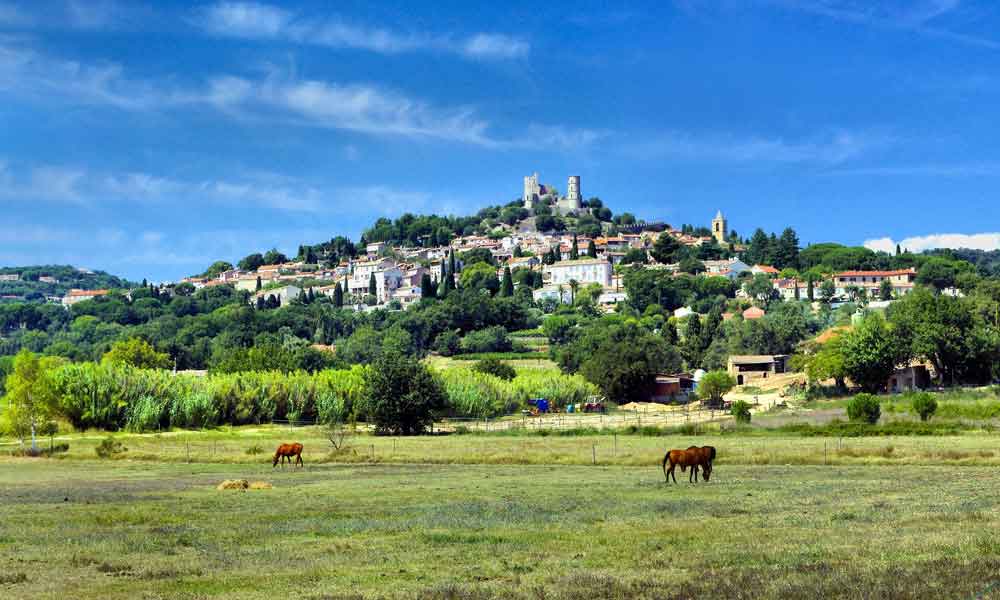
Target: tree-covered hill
[33, 282]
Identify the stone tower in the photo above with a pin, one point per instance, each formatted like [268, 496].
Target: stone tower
[532, 191]
[720, 228]
[574, 197]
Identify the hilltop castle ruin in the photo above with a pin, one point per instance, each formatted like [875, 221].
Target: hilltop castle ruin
[535, 192]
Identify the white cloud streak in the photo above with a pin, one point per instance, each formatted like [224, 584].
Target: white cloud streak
[277, 97]
[976, 241]
[252, 20]
[62, 184]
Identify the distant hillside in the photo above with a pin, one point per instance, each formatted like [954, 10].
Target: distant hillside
[987, 261]
[34, 284]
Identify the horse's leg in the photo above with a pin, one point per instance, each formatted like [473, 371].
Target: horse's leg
[298, 460]
[670, 471]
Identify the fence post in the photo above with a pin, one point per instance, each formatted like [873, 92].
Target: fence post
[188, 445]
[614, 453]
[373, 452]
[824, 452]
[593, 449]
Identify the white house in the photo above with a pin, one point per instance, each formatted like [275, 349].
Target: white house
[74, 296]
[728, 267]
[285, 294]
[561, 293]
[583, 271]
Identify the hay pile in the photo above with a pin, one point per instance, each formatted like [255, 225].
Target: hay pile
[243, 485]
[233, 484]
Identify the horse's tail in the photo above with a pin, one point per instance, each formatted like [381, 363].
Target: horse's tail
[666, 457]
[712, 453]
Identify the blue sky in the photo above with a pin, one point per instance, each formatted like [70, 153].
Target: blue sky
[149, 139]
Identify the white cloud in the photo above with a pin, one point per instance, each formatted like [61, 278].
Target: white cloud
[975, 241]
[77, 185]
[832, 149]
[278, 97]
[254, 20]
[493, 45]
[245, 19]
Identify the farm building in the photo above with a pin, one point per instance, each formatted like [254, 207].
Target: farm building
[748, 368]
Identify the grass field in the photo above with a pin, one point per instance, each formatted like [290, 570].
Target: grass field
[131, 529]
[248, 445]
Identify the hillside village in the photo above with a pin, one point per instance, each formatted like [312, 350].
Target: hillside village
[705, 298]
[383, 275]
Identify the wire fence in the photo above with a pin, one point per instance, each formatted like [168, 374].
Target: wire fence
[562, 421]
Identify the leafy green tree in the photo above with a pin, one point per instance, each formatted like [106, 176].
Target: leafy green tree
[622, 360]
[448, 343]
[274, 257]
[31, 397]
[634, 256]
[714, 385]
[871, 353]
[251, 262]
[591, 249]
[665, 249]
[403, 395]
[949, 332]
[761, 289]
[214, 269]
[828, 362]
[138, 353]
[885, 290]
[372, 285]
[574, 251]
[786, 255]
[827, 291]
[864, 407]
[691, 265]
[480, 276]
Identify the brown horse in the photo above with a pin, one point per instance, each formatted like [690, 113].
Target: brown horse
[693, 457]
[288, 451]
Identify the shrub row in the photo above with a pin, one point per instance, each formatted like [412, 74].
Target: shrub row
[114, 397]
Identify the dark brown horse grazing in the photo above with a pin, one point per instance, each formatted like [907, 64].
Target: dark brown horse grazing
[707, 455]
[288, 451]
[693, 457]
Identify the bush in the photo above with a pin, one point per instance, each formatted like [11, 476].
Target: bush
[864, 407]
[403, 395]
[448, 343]
[924, 405]
[491, 339]
[110, 448]
[496, 367]
[741, 411]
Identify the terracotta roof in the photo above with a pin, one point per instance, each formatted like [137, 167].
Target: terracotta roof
[85, 293]
[877, 273]
[753, 313]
